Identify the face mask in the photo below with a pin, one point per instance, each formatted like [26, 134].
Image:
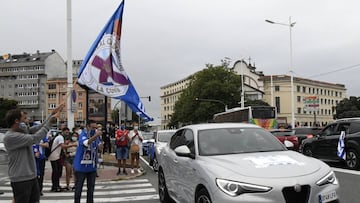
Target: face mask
[74, 139]
[136, 128]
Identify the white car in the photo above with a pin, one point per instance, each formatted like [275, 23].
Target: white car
[236, 162]
[162, 138]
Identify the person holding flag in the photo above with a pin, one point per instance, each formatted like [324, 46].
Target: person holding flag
[102, 70]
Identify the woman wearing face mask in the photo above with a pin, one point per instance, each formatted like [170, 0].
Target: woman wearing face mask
[136, 148]
[69, 157]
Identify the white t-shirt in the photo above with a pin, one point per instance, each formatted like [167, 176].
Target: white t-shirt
[136, 140]
[55, 155]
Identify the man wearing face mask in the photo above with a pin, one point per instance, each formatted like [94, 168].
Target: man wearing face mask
[85, 161]
[22, 167]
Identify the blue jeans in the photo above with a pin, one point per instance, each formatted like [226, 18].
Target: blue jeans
[79, 183]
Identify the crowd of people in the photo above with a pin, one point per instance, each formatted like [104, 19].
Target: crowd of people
[78, 151]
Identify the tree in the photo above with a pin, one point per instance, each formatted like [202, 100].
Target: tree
[5, 105]
[212, 83]
[348, 108]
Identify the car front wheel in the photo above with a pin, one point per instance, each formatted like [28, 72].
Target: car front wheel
[307, 151]
[163, 192]
[352, 159]
[155, 164]
[203, 196]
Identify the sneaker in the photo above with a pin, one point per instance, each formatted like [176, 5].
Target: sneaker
[132, 171]
[118, 173]
[139, 171]
[124, 171]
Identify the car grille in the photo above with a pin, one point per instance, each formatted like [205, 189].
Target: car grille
[292, 196]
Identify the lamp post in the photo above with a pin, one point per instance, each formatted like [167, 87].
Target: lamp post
[290, 25]
[212, 100]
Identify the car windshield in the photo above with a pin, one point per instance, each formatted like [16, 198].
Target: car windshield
[164, 136]
[282, 132]
[148, 136]
[236, 141]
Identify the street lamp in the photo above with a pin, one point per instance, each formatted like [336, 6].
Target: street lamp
[212, 100]
[290, 25]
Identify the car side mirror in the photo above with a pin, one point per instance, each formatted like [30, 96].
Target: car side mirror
[183, 151]
[288, 144]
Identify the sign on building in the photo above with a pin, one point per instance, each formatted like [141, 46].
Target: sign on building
[311, 103]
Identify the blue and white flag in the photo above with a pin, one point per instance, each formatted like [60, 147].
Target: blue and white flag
[102, 70]
[341, 146]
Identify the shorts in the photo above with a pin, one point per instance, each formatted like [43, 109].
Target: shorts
[122, 153]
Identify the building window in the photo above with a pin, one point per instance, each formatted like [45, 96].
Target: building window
[304, 89]
[298, 98]
[52, 86]
[277, 104]
[298, 88]
[80, 105]
[52, 106]
[80, 115]
[277, 88]
[298, 110]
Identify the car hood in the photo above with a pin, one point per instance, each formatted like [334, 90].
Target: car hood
[263, 165]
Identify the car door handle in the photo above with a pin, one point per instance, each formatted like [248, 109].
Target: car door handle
[175, 160]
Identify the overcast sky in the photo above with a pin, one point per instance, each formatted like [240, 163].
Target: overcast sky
[166, 40]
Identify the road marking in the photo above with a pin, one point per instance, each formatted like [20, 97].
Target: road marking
[113, 191]
[144, 160]
[341, 170]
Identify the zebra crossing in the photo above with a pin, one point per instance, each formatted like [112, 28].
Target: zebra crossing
[135, 190]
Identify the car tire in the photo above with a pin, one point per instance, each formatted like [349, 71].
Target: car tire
[155, 164]
[202, 196]
[352, 159]
[163, 192]
[307, 151]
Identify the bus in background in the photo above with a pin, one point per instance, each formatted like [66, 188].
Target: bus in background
[264, 116]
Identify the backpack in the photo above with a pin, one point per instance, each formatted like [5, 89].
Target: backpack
[123, 141]
[48, 149]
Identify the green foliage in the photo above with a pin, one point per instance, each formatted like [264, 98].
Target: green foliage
[5, 105]
[214, 83]
[348, 108]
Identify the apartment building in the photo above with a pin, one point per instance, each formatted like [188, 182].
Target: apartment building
[169, 94]
[23, 78]
[278, 93]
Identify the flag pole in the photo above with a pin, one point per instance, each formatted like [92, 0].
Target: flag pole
[70, 114]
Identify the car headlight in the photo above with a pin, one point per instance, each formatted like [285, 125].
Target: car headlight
[233, 188]
[330, 178]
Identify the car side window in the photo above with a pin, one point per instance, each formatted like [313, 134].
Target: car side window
[329, 130]
[189, 140]
[354, 127]
[343, 127]
[177, 139]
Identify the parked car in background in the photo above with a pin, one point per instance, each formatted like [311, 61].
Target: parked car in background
[3, 152]
[237, 162]
[286, 135]
[162, 138]
[148, 142]
[306, 132]
[324, 145]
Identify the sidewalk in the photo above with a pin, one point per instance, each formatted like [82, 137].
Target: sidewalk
[106, 172]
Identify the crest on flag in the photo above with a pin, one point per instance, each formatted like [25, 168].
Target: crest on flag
[102, 70]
